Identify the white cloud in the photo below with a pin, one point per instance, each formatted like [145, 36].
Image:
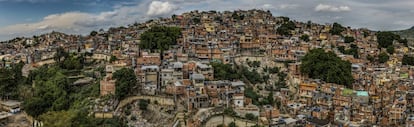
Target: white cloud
[55, 21]
[78, 22]
[280, 7]
[157, 8]
[331, 8]
[31, 1]
[288, 6]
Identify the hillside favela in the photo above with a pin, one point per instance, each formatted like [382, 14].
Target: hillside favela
[194, 63]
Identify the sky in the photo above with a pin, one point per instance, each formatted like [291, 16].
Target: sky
[34, 17]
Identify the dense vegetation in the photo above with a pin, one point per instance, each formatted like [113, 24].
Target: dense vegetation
[336, 29]
[125, 80]
[250, 116]
[353, 50]
[285, 28]
[224, 71]
[160, 38]
[55, 101]
[383, 57]
[252, 75]
[318, 64]
[11, 81]
[50, 96]
[407, 34]
[408, 60]
[386, 39]
[349, 39]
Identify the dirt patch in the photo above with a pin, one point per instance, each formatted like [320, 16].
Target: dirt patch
[18, 120]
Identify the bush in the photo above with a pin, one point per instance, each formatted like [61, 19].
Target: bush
[143, 104]
[254, 64]
[250, 116]
[230, 112]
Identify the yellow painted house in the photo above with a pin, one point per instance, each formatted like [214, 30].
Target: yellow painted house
[209, 27]
[323, 36]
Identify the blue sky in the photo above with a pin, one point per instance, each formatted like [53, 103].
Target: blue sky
[34, 17]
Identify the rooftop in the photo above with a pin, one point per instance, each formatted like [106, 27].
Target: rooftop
[197, 76]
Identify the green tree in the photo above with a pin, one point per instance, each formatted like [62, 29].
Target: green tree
[10, 80]
[408, 60]
[269, 99]
[336, 29]
[318, 64]
[196, 20]
[160, 38]
[385, 39]
[49, 92]
[58, 118]
[254, 64]
[383, 57]
[341, 49]
[93, 33]
[250, 116]
[224, 71]
[285, 28]
[72, 62]
[349, 39]
[285, 19]
[404, 41]
[390, 49]
[305, 38]
[352, 51]
[250, 93]
[230, 112]
[370, 58]
[125, 81]
[236, 16]
[113, 58]
[253, 76]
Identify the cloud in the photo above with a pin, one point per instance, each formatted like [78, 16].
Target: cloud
[280, 7]
[331, 8]
[31, 1]
[55, 21]
[78, 22]
[157, 8]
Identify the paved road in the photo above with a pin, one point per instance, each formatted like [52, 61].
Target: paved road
[217, 120]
